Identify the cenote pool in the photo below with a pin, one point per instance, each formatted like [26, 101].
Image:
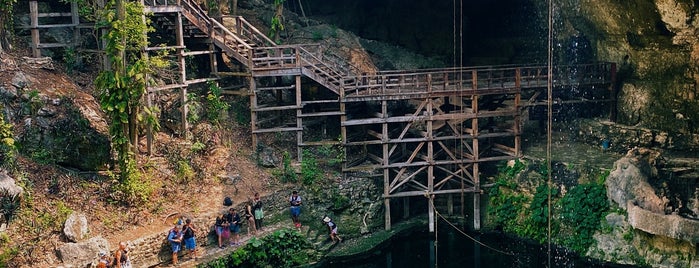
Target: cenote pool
[452, 249]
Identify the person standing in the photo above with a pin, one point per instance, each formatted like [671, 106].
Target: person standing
[295, 202]
[190, 242]
[257, 209]
[234, 225]
[222, 229]
[250, 218]
[121, 256]
[175, 239]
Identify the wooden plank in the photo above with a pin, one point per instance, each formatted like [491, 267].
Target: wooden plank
[53, 45]
[280, 129]
[54, 14]
[333, 113]
[163, 48]
[48, 26]
[276, 108]
[321, 143]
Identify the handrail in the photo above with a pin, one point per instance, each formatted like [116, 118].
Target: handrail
[488, 77]
[254, 32]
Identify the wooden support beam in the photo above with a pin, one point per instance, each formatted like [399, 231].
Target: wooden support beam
[34, 24]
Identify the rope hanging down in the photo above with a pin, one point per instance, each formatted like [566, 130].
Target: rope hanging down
[465, 234]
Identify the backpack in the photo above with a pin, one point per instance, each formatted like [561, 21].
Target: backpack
[227, 201]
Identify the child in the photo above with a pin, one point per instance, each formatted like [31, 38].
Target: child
[332, 228]
[175, 239]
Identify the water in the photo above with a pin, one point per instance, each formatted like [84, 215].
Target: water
[452, 249]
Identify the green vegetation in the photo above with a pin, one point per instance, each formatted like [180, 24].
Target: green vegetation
[184, 171]
[122, 87]
[7, 143]
[276, 25]
[282, 248]
[7, 252]
[215, 104]
[310, 171]
[576, 216]
[287, 173]
[9, 205]
[6, 22]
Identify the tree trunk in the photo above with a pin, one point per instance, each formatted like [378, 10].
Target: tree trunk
[5, 13]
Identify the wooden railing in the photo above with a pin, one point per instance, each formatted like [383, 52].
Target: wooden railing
[485, 78]
[259, 53]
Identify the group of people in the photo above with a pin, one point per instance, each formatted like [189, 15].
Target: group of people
[183, 234]
[228, 223]
[295, 209]
[227, 228]
[120, 259]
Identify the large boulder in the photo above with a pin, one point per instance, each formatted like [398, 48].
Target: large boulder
[629, 181]
[7, 184]
[59, 128]
[75, 227]
[672, 226]
[84, 253]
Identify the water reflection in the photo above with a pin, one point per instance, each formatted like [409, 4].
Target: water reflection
[451, 249]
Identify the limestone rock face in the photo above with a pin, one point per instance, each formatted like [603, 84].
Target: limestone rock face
[83, 253]
[75, 228]
[672, 226]
[66, 129]
[7, 183]
[627, 183]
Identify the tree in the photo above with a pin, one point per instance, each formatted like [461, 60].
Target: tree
[122, 87]
[6, 7]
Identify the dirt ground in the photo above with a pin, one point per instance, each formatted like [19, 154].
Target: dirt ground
[53, 190]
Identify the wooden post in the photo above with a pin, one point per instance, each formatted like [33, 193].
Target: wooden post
[212, 58]
[299, 119]
[343, 118]
[518, 114]
[430, 153]
[386, 173]
[34, 23]
[476, 152]
[183, 71]
[75, 19]
[614, 90]
[253, 110]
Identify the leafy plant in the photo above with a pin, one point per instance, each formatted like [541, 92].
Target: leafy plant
[134, 189]
[7, 252]
[310, 171]
[282, 248]
[287, 173]
[185, 173]
[7, 143]
[215, 104]
[582, 209]
[338, 200]
[122, 87]
[536, 225]
[9, 205]
[276, 25]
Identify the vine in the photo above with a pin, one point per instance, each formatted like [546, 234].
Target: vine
[6, 22]
[276, 25]
[122, 87]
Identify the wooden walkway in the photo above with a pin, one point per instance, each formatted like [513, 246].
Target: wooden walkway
[421, 133]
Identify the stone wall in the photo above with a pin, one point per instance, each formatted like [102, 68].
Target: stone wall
[623, 138]
[154, 249]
